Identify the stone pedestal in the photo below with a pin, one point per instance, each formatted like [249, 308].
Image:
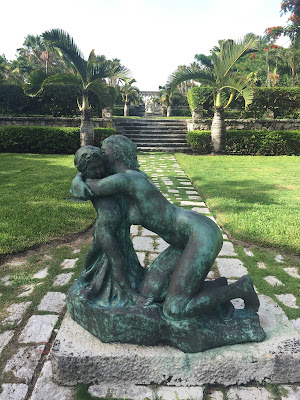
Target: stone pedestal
[78, 356]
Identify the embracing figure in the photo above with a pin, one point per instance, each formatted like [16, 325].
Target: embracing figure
[176, 278]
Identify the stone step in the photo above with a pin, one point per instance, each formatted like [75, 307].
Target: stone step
[180, 149]
[156, 135]
[159, 141]
[153, 131]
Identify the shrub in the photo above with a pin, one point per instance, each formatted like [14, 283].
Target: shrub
[200, 141]
[178, 112]
[269, 143]
[45, 140]
[199, 96]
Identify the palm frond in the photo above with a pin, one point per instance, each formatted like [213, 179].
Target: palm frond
[241, 85]
[35, 82]
[227, 58]
[106, 94]
[64, 79]
[188, 73]
[64, 42]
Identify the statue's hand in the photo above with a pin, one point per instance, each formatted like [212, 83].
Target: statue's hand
[143, 301]
[80, 189]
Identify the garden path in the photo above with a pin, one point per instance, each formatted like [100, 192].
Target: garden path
[31, 323]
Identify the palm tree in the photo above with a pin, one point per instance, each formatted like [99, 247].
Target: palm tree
[88, 75]
[129, 93]
[219, 73]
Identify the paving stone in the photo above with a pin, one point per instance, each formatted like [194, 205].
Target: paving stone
[53, 301]
[201, 210]
[293, 271]
[38, 329]
[272, 280]
[76, 251]
[194, 197]
[63, 279]
[225, 236]
[143, 243]
[293, 393]
[69, 263]
[192, 203]
[248, 252]
[288, 300]
[23, 362]
[15, 313]
[192, 192]
[296, 323]
[216, 395]
[134, 230]
[231, 267]
[146, 232]
[211, 275]
[173, 190]
[261, 265]
[137, 392]
[6, 280]
[279, 258]
[5, 338]
[248, 393]
[152, 257]
[13, 391]
[141, 256]
[161, 245]
[27, 290]
[227, 249]
[41, 274]
[185, 183]
[45, 387]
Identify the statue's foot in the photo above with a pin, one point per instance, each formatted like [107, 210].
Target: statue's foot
[248, 293]
[225, 310]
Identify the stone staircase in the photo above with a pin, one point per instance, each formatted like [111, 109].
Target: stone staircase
[155, 134]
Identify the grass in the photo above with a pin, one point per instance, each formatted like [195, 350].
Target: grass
[34, 207]
[256, 199]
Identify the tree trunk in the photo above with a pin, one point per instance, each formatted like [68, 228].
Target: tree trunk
[126, 110]
[218, 132]
[86, 129]
[169, 111]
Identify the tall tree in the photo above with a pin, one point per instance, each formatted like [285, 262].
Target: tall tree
[225, 82]
[88, 75]
[129, 94]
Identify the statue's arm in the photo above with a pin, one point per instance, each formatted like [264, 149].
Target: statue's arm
[117, 183]
[80, 189]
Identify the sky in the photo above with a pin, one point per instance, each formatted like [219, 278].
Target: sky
[150, 37]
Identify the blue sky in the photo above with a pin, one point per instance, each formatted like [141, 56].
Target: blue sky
[150, 37]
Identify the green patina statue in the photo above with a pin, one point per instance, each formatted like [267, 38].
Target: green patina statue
[119, 301]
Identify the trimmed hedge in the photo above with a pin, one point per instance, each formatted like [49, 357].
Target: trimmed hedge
[45, 140]
[243, 142]
[199, 96]
[178, 112]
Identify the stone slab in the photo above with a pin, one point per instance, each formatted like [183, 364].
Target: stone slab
[45, 387]
[38, 329]
[15, 313]
[63, 279]
[23, 363]
[139, 392]
[77, 356]
[249, 393]
[52, 302]
[13, 391]
[227, 250]
[231, 267]
[5, 338]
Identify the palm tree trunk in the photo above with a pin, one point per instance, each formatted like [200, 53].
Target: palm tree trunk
[169, 111]
[126, 110]
[86, 129]
[218, 132]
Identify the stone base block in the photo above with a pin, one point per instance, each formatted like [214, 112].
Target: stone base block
[78, 356]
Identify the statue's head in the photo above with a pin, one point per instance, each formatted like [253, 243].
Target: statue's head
[89, 161]
[124, 150]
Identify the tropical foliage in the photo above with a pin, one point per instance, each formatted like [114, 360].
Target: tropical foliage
[87, 75]
[225, 80]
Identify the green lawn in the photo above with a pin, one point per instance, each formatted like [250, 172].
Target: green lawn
[33, 193]
[256, 199]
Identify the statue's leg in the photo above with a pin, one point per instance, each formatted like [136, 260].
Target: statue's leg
[156, 280]
[209, 299]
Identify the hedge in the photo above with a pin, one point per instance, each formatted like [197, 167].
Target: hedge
[246, 142]
[284, 102]
[178, 112]
[55, 100]
[45, 140]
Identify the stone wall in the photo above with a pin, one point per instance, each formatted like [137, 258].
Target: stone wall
[248, 124]
[49, 121]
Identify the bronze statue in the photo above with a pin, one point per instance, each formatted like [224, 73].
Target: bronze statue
[173, 293]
